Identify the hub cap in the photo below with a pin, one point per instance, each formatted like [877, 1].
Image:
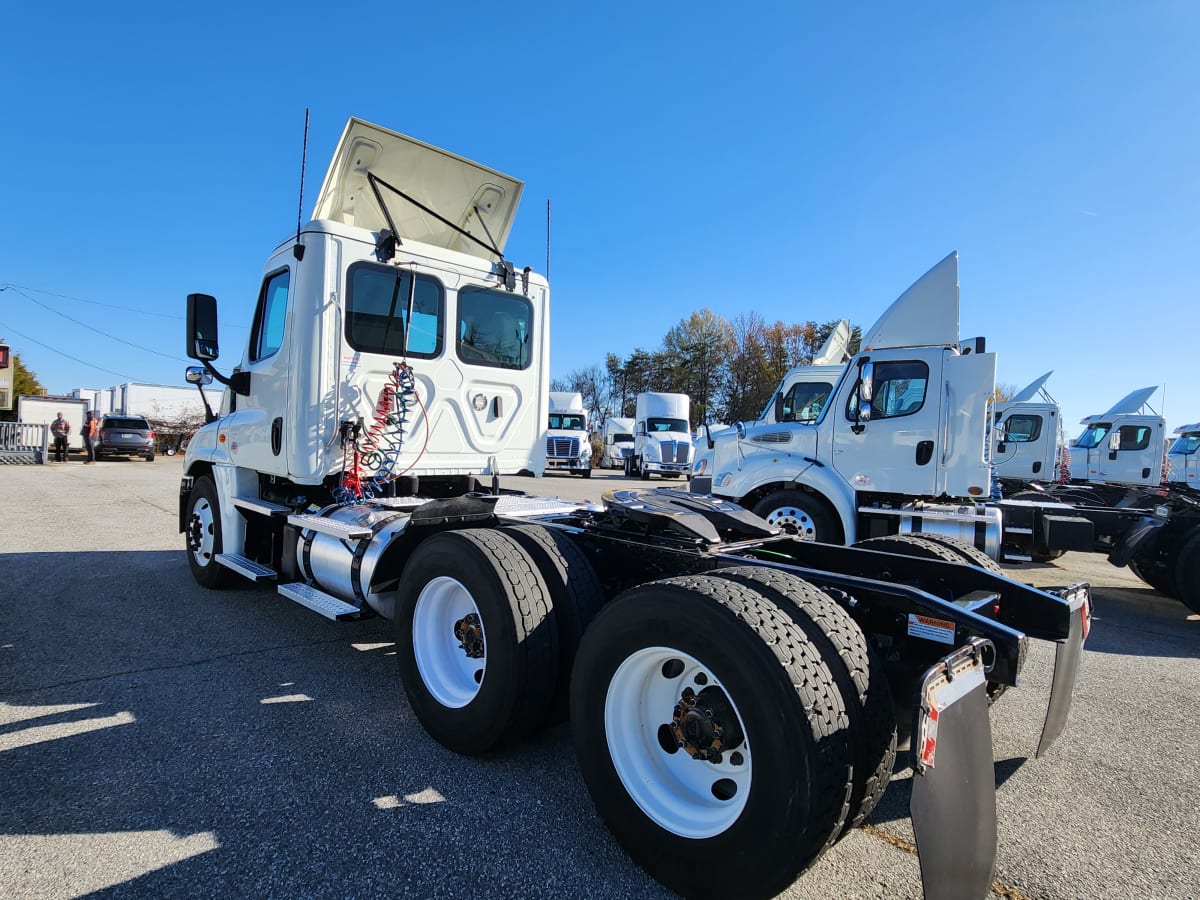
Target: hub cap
[677, 742]
[797, 518]
[201, 533]
[449, 642]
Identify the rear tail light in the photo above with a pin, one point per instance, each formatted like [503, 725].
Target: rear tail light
[151, 434]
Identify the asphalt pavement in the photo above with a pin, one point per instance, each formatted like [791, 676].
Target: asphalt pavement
[159, 739]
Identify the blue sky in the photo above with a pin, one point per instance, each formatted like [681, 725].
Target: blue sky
[794, 159]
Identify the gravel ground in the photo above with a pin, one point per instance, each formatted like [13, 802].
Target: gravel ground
[158, 739]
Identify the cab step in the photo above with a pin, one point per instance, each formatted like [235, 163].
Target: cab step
[318, 601]
[331, 527]
[262, 507]
[255, 571]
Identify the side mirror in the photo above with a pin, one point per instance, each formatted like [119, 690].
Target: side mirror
[202, 327]
[779, 406]
[741, 430]
[198, 375]
[866, 386]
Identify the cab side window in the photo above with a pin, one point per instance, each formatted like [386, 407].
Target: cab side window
[1134, 437]
[270, 316]
[898, 390]
[1022, 429]
[495, 328]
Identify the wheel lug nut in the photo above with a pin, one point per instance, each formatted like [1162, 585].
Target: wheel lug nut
[736, 758]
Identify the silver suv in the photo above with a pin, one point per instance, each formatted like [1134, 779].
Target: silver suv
[125, 436]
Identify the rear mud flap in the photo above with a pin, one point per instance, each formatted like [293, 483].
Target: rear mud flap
[1066, 665]
[954, 781]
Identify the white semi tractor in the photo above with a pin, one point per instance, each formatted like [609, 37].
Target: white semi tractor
[568, 441]
[662, 436]
[1183, 460]
[617, 436]
[1026, 438]
[730, 689]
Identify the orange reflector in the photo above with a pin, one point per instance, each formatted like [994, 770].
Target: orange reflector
[974, 491]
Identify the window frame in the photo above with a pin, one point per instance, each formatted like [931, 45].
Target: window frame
[1037, 430]
[851, 410]
[357, 341]
[466, 291]
[262, 320]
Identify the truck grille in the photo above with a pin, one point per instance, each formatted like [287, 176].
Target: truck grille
[675, 451]
[562, 448]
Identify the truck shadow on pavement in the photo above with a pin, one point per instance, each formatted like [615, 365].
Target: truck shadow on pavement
[158, 739]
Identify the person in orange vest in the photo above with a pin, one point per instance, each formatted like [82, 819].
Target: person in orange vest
[91, 431]
[60, 428]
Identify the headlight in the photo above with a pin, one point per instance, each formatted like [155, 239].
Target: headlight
[724, 479]
[700, 466]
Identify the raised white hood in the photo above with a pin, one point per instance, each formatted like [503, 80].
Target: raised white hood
[926, 315]
[455, 188]
[834, 352]
[1132, 403]
[1030, 390]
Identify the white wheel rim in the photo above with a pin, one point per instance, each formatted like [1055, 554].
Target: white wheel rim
[449, 674]
[202, 512]
[675, 790]
[798, 518]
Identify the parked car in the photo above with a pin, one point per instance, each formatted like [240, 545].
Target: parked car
[125, 436]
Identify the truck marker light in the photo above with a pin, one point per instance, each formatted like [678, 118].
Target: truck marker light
[974, 491]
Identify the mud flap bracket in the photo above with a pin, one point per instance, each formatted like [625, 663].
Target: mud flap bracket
[954, 783]
[1066, 664]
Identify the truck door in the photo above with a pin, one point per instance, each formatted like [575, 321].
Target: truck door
[254, 430]
[1020, 445]
[1087, 450]
[968, 383]
[892, 450]
[1131, 454]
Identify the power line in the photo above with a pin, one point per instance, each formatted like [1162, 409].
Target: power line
[90, 327]
[68, 355]
[144, 312]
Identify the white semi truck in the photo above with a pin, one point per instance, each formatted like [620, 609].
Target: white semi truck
[568, 441]
[1026, 438]
[662, 436]
[1183, 461]
[730, 688]
[617, 435]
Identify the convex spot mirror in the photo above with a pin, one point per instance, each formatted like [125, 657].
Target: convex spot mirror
[198, 375]
[866, 389]
[202, 327]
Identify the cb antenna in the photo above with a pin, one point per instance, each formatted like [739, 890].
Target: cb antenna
[298, 249]
[547, 238]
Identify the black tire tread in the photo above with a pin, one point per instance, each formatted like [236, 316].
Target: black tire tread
[969, 552]
[214, 575]
[911, 545]
[1186, 566]
[856, 668]
[575, 590]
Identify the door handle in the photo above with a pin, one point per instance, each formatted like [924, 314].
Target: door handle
[924, 452]
[277, 435]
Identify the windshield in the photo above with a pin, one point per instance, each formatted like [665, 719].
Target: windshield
[1186, 445]
[1093, 435]
[661, 425]
[126, 424]
[568, 421]
[805, 401]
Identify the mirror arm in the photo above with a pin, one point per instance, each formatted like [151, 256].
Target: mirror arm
[239, 382]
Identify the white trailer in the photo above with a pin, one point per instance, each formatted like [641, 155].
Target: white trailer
[1183, 460]
[42, 409]
[377, 383]
[617, 435]
[662, 436]
[568, 441]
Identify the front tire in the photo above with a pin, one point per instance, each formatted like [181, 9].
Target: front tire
[475, 639]
[714, 745]
[1187, 571]
[803, 512]
[203, 535]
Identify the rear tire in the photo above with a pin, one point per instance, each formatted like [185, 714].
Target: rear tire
[586, 473]
[742, 817]
[575, 591]
[1187, 571]
[856, 668]
[475, 639]
[970, 554]
[150, 456]
[203, 536]
[1157, 575]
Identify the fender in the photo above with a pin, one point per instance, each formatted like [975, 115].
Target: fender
[760, 469]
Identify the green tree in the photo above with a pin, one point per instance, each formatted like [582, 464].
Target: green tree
[697, 352]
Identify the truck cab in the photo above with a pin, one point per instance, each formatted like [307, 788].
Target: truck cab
[1024, 438]
[618, 442]
[1183, 460]
[1123, 446]
[905, 423]
[662, 436]
[568, 443]
[389, 335]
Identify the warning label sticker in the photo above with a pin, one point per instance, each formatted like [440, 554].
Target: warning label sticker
[940, 630]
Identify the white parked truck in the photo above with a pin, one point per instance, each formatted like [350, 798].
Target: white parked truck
[568, 441]
[618, 442]
[1123, 446]
[1026, 438]
[1183, 461]
[373, 391]
[662, 436]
